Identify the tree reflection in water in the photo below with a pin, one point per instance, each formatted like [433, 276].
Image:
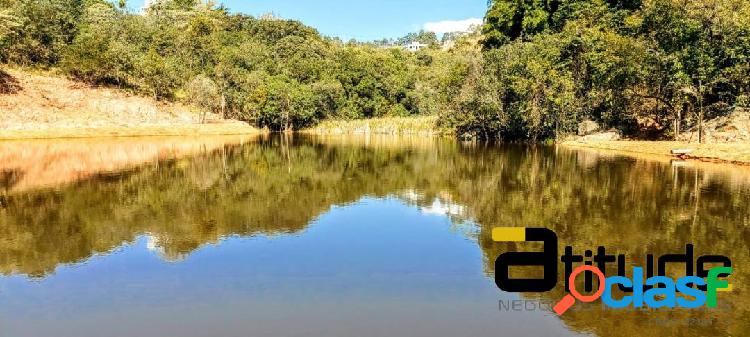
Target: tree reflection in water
[278, 185]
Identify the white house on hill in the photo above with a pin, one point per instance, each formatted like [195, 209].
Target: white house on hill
[414, 46]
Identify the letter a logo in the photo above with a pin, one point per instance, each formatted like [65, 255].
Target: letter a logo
[546, 259]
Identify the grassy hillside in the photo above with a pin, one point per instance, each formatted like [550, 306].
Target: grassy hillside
[37, 104]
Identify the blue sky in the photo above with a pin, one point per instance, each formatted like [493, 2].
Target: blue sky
[362, 19]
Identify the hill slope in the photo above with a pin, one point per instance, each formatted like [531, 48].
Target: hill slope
[43, 105]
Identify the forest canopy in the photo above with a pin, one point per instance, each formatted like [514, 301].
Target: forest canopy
[648, 68]
[268, 71]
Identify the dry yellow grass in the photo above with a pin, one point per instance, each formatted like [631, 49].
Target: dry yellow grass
[225, 128]
[46, 105]
[419, 125]
[735, 153]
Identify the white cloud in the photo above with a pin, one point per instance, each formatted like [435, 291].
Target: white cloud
[448, 26]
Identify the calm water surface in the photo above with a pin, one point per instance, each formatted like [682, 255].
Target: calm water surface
[300, 236]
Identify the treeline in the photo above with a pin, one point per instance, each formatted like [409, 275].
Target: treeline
[274, 73]
[646, 67]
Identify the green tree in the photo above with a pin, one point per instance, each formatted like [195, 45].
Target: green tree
[48, 27]
[424, 37]
[8, 23]
[508, 20]
[204, 93]
[90, 57]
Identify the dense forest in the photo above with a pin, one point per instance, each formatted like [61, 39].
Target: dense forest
[534, 70]
[647, 67]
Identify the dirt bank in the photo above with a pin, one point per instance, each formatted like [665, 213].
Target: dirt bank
[36, 104]
[734, 153]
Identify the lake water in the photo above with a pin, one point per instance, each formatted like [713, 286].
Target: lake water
[309, 236]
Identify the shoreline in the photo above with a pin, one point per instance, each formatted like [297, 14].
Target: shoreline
[227, 128]
[723, 153]
[422, 126]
